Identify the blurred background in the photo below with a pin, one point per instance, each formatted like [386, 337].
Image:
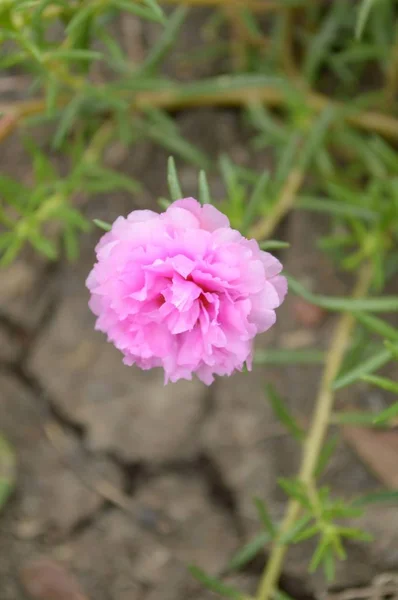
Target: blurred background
[110, 482]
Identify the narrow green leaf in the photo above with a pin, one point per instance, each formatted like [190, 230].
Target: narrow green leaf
[43, 245]
[52, 90]
[355, 534]
[74, 218]
[281, 356]
[336, 208]
[385, 496]
[393, 348]
[325, 455]
[378, 326]
[71, 243]
[329, 566]
[174, 142]
[166, 40]
[204, 192]
[319, 554]
[320, 43]
[115, 57]
[363, 15]
[145, 12]
[382, 382]
[366, 419]
[316, 137]
[75, 54]
[156, 9]
[250, 22]
[102, 224]
[215, 585]
[43, 168]
[172, 180]
[13, 191]
[164, 203]
[295, 530]
[286, 160]
[13, 248]
[248, 552]
[273, 245]
[296, 490]
[268, 125]
[389, 413]
[229, 174]
[340, 510]
[256, 198]
[7, 470]
[373, 304]
[162, 119]
[101, 179]
[227, 83]
[365, 368]
[282, 413]
[306, 534]
[65, 124]
[265, 516]
[79, 18]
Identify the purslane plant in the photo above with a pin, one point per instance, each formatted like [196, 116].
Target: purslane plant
[127, 301]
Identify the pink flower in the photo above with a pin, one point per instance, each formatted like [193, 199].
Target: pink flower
[183, 291]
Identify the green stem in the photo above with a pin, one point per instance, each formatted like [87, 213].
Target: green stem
[268, 224]
[316, 435]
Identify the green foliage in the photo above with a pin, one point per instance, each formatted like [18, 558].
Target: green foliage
[215, 585]
[281, 356]
[382, 304]
[102, 224]
[44, 212]
[248, 552]
[204, 192]
[172, 180]
[281, 412]
[386, 496]
[381, 357]
[321, 519]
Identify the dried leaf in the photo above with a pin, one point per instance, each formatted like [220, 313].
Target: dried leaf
[378, 450]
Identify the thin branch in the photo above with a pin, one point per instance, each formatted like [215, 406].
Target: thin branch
[265, 226]
[255, 5]
[316, 435]
[176, 99]
[259, 6]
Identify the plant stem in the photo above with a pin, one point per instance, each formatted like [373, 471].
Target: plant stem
[316, 435]
[52, 12]
[175, 99]
[265, 226]
[256, 5]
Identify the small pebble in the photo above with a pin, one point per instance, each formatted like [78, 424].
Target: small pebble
[308, 314]
[45, 579]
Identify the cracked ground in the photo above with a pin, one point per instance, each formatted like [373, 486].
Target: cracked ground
[124, 481]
